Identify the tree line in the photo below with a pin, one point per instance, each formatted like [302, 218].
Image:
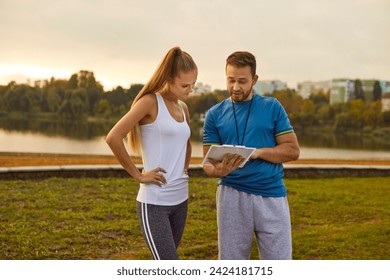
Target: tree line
[317, 112]
[83, 96]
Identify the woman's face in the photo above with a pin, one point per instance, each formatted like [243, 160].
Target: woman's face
[183, 84]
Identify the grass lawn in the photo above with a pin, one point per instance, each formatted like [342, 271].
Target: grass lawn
[62, 219]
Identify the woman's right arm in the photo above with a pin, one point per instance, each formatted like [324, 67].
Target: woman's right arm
[141, 110]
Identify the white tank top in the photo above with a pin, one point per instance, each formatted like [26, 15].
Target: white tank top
[164, 144]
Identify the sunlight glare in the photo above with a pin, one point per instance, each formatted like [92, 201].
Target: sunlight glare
[23, 72]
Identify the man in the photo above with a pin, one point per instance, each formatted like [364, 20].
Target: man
[252, 199]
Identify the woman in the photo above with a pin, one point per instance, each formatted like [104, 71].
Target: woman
[158, 127]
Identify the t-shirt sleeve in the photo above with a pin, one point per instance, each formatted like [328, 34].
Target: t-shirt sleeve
[282, 122]
[210, 131]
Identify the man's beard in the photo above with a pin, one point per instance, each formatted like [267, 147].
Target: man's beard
[244, 96]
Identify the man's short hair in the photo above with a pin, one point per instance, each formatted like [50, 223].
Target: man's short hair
[242, 59]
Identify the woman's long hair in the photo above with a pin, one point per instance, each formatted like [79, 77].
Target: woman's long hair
[174, 62]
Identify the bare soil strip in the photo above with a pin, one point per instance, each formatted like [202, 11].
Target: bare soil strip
[42, 159]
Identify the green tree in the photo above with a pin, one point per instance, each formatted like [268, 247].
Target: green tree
[351, 118]
[359, 92]
[53, 93]
[75, 104]
[23, 98]
[103, 108]
[53, 100]
[119, 100]
[386, 118]
[320, 98]
[134, 90]
[290, 100]
[308, 107]
[3, 90]
[307, 116]
[65, 109]
[73, 82]
[373, 116]
[377, 92]
[86, 80]
[323, 113]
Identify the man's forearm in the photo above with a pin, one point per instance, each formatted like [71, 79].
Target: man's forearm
[279, 154]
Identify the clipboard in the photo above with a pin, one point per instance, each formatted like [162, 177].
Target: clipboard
[217, 153]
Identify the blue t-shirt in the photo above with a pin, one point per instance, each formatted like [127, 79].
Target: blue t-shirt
[267, 120]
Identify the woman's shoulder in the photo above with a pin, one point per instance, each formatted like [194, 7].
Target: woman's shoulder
[148, 99]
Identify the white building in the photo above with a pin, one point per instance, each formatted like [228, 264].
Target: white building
[268, 87]
[386, 102]
[308, 87]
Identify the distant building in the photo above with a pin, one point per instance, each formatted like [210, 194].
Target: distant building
[386, 101]
[268, 87]
[385, 86]
[200, 89]
[344, 90]
[306, 88]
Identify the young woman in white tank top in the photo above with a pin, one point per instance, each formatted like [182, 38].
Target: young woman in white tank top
[158, 127]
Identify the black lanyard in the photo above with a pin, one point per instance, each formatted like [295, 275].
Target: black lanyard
[246, 123]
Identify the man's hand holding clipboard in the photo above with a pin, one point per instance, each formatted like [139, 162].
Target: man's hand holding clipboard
[217, 153]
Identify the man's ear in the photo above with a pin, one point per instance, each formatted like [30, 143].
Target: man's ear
[255, 77]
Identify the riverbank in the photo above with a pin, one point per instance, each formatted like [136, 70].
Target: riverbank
[8, 159]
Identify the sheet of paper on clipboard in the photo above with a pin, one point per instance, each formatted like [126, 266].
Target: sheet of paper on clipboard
[217, 153]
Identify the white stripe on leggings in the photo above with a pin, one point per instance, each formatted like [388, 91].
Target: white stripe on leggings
[148, 233]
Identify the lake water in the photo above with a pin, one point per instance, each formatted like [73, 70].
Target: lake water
[35, 142]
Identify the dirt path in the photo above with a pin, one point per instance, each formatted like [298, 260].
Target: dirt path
[37, 159]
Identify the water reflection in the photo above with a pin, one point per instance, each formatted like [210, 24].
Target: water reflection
[80, 130]
[88, 137]
[330, 140]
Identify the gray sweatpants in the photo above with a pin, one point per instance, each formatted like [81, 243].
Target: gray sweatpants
[240, 215]
[162, 228]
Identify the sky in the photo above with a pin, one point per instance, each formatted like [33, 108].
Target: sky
[123, 41]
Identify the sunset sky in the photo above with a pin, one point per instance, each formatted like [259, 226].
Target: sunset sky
[123, 41]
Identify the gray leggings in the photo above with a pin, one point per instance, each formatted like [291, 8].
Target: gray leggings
[162, 228]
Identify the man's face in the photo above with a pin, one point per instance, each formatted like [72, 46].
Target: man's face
[239, 82]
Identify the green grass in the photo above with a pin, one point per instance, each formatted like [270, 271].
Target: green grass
[340, 218]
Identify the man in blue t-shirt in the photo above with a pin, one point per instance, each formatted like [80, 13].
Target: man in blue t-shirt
[252, 199]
